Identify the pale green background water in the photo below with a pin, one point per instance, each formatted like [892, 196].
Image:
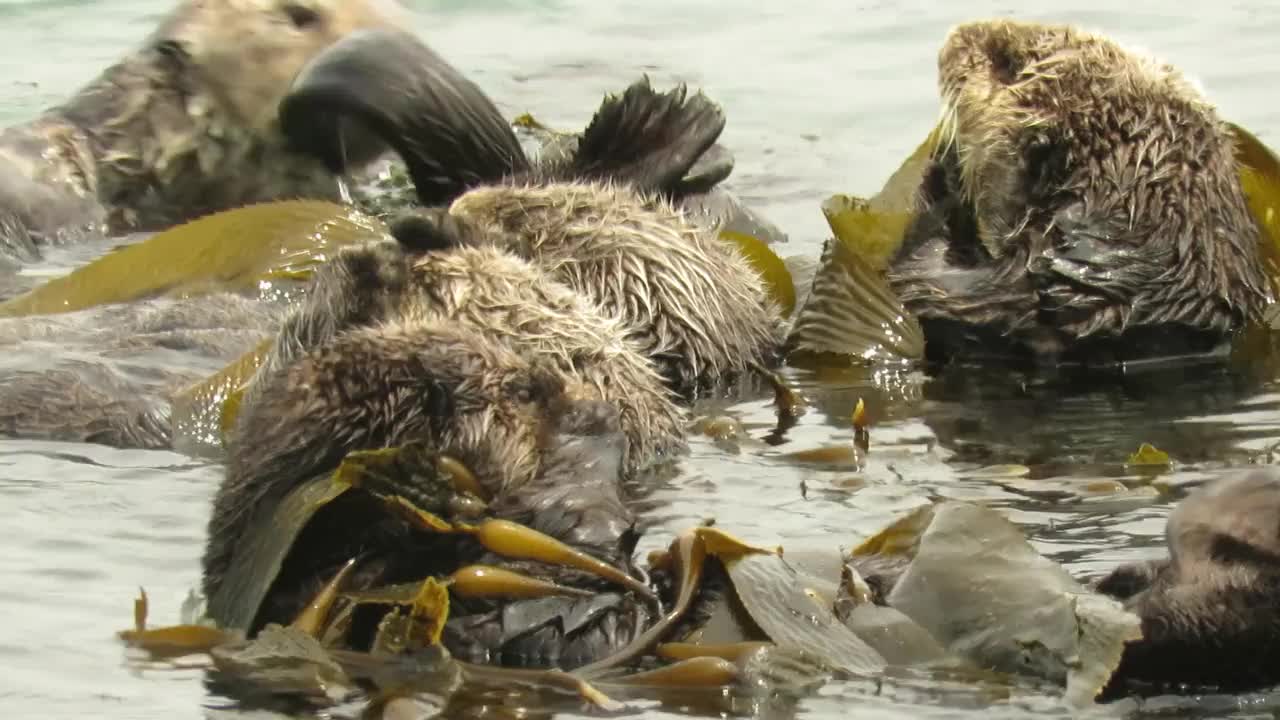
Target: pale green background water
[821, 97]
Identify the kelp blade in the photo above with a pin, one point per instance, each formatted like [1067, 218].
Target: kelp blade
[1259, 170]
[205, 412]
[981, 589]
[875, 235]
[232, 250]
[262, 550]
[775, 596]
[852, 313]
[772, 269]
[875, 227]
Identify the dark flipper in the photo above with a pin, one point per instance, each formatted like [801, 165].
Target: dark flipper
[649, 139]
[449, 133]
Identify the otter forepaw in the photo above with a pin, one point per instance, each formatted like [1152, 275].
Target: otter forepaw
[1128, 580]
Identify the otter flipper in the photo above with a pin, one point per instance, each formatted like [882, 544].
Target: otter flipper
[448, 132]
[850, 311]
[652, 140]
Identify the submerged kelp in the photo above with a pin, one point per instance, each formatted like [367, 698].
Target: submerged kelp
[232, 251]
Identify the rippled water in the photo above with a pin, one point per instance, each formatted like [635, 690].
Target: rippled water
[827, 98]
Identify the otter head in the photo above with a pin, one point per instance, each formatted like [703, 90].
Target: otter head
[1099, 176]
[1233, 520]
[247, 52]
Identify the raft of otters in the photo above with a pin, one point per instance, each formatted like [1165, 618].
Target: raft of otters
[436, 453]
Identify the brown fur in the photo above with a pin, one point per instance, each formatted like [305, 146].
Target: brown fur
[475, 352]
[502, 297]
[692, 302]
[184, 126]
[1082, 193]
[106, 375]
[1211, 610]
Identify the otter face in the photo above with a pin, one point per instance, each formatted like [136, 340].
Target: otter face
[1232, 520]
[249, 51]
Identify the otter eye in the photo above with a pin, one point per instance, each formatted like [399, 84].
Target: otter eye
[301, 16]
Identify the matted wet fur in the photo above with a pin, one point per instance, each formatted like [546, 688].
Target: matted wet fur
[107, 374]
[1211, 610]
[183, 126]
[480, 355]
[691, 301]
[1084, 204]
[505, 298]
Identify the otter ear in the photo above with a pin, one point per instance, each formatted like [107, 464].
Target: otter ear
[448, 132]
[653, 141]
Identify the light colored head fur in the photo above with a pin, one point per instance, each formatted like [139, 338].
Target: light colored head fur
[508, 298]
[694, 304]
[1102, 173]
[247, 52]
[187, 124]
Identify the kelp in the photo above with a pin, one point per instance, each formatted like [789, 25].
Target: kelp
[874, 227]
[206, 411]
[764, 260]
[234, 250]
[850, 311]
[1026, 615]
[1259, 170]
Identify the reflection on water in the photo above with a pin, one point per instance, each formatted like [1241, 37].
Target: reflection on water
[820, 99]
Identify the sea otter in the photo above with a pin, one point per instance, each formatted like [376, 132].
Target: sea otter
[1083, 206]
[1210, 611]
[185, 125]
[601, 218]
[533, 363]
[479, 355]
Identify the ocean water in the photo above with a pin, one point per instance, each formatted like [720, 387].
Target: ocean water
[821, 98]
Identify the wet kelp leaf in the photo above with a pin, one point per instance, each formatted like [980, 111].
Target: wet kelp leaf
[232, 250]
[1148, 456]
[207, 411]
[849, 310]
[172, 641]
[977, 585]
[284, 661]
[1259, 170]
[419, 626]
[263, 549]
[875, 235]
[874, 228]
[851, 313]
[776, 597]
[773, 271]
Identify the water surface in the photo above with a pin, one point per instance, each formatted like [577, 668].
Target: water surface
[827, 98]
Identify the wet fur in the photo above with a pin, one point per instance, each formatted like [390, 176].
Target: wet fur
[1211, 610]
[107, 375]
[179, 128]
[1084, 199]
[482, 356]
[692, 303]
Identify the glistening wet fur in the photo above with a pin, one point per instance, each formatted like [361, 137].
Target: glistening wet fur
[1084, 206]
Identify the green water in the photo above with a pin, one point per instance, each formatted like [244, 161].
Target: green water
[821, 98]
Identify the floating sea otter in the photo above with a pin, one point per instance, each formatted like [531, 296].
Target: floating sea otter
[184, 126]
[1210, 620]
[1083, 206]
[513, 333]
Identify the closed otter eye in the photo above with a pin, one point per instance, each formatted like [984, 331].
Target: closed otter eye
[301, 16]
